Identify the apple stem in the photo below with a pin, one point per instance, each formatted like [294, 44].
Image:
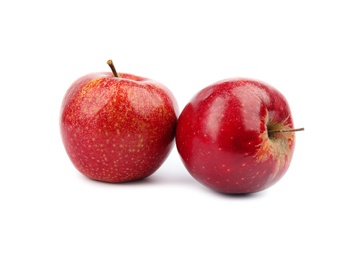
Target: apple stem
[111, 65]
[286, 130]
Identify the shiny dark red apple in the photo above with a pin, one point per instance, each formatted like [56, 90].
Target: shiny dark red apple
[236, 136]
[117, 127]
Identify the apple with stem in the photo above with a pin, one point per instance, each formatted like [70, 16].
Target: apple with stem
[117, 127]
[236, 136]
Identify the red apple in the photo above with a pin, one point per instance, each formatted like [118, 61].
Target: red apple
[117, 128]
[236, 136]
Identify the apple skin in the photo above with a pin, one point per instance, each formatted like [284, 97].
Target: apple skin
[223, 140]
[118, 129]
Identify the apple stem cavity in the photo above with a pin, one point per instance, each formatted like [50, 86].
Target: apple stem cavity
[111, 65]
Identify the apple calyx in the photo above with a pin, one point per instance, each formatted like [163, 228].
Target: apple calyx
[114, 71]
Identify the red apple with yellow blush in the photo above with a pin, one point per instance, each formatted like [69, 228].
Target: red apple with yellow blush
[237, 136]
[117, 127]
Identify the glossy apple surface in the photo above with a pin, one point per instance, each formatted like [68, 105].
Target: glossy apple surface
[228, 136]
[118, 129]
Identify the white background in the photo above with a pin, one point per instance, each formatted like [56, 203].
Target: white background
[306, 49]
